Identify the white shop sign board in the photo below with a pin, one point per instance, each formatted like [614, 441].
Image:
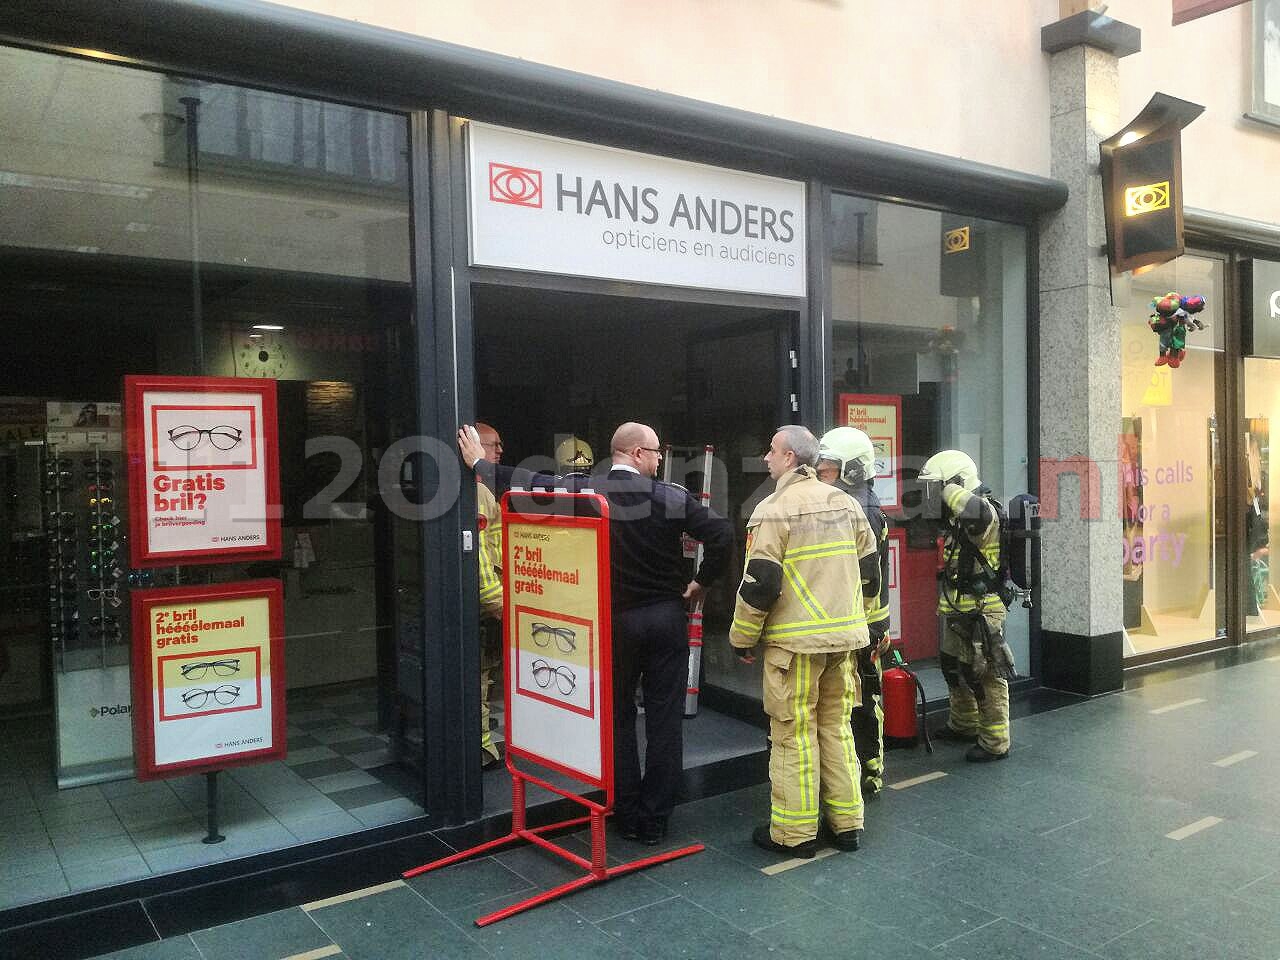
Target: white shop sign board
[559, 206]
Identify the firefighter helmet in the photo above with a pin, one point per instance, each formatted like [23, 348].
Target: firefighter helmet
[852, 450]
[951, 466]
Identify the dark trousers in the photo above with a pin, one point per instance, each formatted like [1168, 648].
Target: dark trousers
[650, 645]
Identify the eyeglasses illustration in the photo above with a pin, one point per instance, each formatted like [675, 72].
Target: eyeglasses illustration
[566, 639]
[103, 593]
[223, 695]
[188, 438]
[544, 673]
[201, 669]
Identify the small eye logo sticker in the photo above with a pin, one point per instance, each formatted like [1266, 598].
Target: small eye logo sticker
[521, 186]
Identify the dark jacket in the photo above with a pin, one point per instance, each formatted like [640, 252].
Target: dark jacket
[646, 520]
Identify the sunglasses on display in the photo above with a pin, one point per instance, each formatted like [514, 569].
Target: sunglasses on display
[104, 593]
[57, 474]
[107, 633]
[566, 639]
[100, 488]
[55, 463]
[100, 501]
[60, 519]
[106, 570]
[141, 578]
[202, 668]
[104, 550]
[222, 695]
[105, 524]
[188, 438]
[543, 673]
[95, 462]
[62, 486]
[65, 564]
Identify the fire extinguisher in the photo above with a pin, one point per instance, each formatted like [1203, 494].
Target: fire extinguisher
[899, 687]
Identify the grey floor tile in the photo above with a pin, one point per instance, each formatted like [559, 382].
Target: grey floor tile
[283, 933]
[1005, 940]
[106, 873]
[175, 948]
[348, 778]
[36, 886]
[170, 834]
[387, 811]
[734, 892]
[78, 853]
[465, 884]
[183, 857]
[41, 859]
[302, 741]
[73, 797]
[68, 818]
[325, 767]
[359, 745]
[677, 928]
[308, 755]
[374, 758]
[1167, 942]
[94, 828]
[16, 804]
[363, 796]
[817, 934]
[337, 734]
[395, 925]
[551, 929]
[316, 804]
[244, 842]
[324, 826]
[1237, 924]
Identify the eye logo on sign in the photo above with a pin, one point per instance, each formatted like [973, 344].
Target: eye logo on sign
[1146, 199]
[955, 241]
[521, 186]
[1275, 305]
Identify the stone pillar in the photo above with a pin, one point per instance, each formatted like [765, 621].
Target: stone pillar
[1079, 332]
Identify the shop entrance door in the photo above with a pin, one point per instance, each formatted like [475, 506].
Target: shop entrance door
[552, 365]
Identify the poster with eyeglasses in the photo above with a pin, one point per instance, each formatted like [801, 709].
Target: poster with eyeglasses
[208, 678]
[204, 478]
[556, 623]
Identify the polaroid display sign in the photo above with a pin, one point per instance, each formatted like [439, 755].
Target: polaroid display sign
[204, 478]
[558, 206]
[208, 678]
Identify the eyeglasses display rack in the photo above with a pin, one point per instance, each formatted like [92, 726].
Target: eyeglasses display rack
[85, 525]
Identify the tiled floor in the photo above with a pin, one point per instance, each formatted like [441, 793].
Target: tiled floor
[1142, 825]
[55, 841]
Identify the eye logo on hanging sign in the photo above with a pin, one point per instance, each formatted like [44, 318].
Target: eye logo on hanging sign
[1275, 305]
[557, 206]
[521, 186]
[955, 241]
[1146, 199]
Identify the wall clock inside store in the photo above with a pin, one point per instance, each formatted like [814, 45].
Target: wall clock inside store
[262, 356]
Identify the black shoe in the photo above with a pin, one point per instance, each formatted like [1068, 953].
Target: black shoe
[653, 832]
[628, 827]
[805, 851]
[977, 754]
[846, 841]
[948, 735]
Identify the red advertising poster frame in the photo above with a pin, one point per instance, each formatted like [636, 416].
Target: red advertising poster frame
[143, 676]
[597, 868]
[881, 400]
[135, 388]
[604, 712]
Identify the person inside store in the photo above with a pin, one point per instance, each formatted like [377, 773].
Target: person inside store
[811, 558]
[975, 660]
[847, 461]
[647, 519]
[489, 524]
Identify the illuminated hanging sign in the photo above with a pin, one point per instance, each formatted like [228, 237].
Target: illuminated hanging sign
[1146, 198]
[1261, 311]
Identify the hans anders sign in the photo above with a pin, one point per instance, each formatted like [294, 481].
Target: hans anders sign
[558, 206]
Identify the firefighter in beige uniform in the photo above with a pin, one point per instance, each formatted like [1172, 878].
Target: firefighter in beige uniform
[810, 554]
[975, 660]
[489, 522]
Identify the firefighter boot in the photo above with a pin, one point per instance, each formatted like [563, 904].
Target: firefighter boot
[804, 851]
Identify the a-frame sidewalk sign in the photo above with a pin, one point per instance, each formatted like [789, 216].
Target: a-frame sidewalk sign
[558, 678]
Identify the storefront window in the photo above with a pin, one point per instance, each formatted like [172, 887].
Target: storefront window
[930, 318]
[154, 225]
[1171, 461]
[1261, 409]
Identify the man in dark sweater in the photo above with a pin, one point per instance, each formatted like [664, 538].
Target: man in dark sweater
[646, 520]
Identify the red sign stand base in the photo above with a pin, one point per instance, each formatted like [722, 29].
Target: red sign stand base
[596, 870]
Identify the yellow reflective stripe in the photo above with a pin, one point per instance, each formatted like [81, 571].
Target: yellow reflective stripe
[781, 813]
[954, 499]
[846, 731]
[743, 626]
[842, 804]
[803, 593]
[821, 549]
[800, 712]
[825, 553]
[810, 628]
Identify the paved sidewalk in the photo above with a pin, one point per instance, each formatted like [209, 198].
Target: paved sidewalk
[1141, 825]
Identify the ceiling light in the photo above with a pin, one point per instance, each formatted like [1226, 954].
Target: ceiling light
[1128, 138]
[267, 326]
[255, 336]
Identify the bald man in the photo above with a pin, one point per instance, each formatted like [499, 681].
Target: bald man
[647, 519]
